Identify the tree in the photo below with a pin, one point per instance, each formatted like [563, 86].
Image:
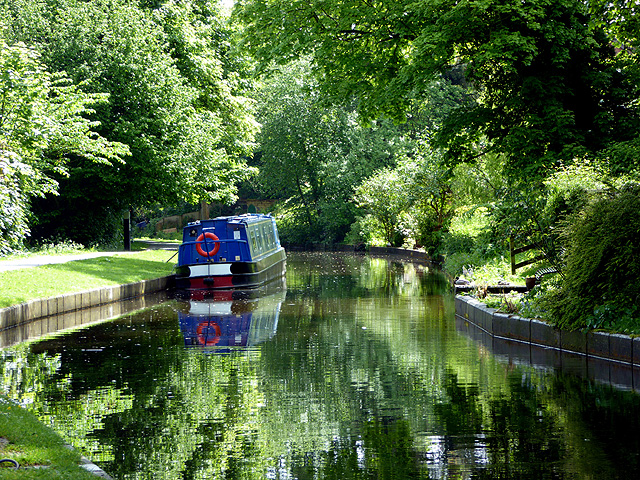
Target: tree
[547, 84]
[314, 154]
[170, 101]
[43, 123]
[428, 185]
[383, 197]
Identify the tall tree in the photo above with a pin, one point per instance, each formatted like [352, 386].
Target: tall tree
[170, 100]
[547, 83]
[43, 124]
[314, 154]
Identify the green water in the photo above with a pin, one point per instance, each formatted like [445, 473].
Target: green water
[354, 370]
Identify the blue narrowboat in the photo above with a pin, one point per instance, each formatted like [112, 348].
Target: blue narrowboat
[241, 251]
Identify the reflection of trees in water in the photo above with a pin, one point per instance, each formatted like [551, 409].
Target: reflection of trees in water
[501, 436]
[373, 386]
[326, 275]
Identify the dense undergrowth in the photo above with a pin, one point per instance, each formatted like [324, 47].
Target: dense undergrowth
[596, 285]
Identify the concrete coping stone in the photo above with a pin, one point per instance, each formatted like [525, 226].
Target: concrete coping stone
[47, 307]
[609, 346]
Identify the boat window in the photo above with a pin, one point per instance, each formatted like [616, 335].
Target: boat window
[260, 240]
[252, 238]
[275, 233]
[267, 237]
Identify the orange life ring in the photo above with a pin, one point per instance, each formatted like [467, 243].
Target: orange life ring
[201, 250]
[206, 339]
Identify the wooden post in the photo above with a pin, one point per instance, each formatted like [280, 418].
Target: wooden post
[513, 255]
[126, 225]
[204, 210]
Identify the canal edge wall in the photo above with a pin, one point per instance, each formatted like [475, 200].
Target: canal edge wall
[31, 310]
[601, 345]
[403, 253]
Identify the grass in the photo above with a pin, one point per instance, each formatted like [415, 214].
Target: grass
[18, 286]
[40, 452]
[470, 253]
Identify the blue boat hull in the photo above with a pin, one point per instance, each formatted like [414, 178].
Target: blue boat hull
[236, 252]
[232, 275]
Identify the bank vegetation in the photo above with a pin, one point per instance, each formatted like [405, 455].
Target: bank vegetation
[454, 127]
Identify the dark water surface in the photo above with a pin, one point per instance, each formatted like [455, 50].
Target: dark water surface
[354, 370]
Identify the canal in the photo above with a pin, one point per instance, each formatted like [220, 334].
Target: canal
[355, 369]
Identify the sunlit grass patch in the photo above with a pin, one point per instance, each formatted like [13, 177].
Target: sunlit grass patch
[39, 451]
[19, 286]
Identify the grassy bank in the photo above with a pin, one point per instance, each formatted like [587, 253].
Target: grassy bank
[40, 452]
[17, 286]
[472, 253]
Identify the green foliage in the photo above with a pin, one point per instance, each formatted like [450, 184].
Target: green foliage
[171, 98]
[383, 197]
[314, 154]
[480, 182]
[602, 264]
[43, 124]
[427, 183]
[473, 252]
[58, 248]
[293, 226]
[366, 230]
[507, 303]
[413, 202]
[547, 84]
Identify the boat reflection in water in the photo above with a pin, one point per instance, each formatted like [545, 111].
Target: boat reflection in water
[225, 319]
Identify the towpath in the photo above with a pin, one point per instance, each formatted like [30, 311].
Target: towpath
[39, 260]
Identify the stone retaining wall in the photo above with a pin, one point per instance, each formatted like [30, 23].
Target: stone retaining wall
[48, 307]
[416, 255]
[609, 346]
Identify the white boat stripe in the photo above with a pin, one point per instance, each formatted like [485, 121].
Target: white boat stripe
[210, 269]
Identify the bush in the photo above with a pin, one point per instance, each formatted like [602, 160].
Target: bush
[602, 264]
[366, 230]
[471, 244]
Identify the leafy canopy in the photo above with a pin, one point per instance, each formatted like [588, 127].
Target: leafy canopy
[172, 97]
[43, 123]
[546, 83]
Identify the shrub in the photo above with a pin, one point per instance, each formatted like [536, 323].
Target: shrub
[602, 262]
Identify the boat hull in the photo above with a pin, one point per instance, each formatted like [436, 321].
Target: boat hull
[232, 275]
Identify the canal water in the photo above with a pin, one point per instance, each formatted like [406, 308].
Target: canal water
[355, 369]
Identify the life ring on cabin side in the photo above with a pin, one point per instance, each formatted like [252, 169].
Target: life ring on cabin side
[201, 250]
[204, 338]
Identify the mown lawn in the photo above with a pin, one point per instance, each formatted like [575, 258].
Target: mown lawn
[17, 286]
[40, 452]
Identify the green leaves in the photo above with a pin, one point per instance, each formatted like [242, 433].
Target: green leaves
[547, 85]
[168, 88]
[383, 197]
[43, 123]
[602, 263]
[314, 153]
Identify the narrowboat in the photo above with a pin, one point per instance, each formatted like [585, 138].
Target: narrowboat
[241, 251]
